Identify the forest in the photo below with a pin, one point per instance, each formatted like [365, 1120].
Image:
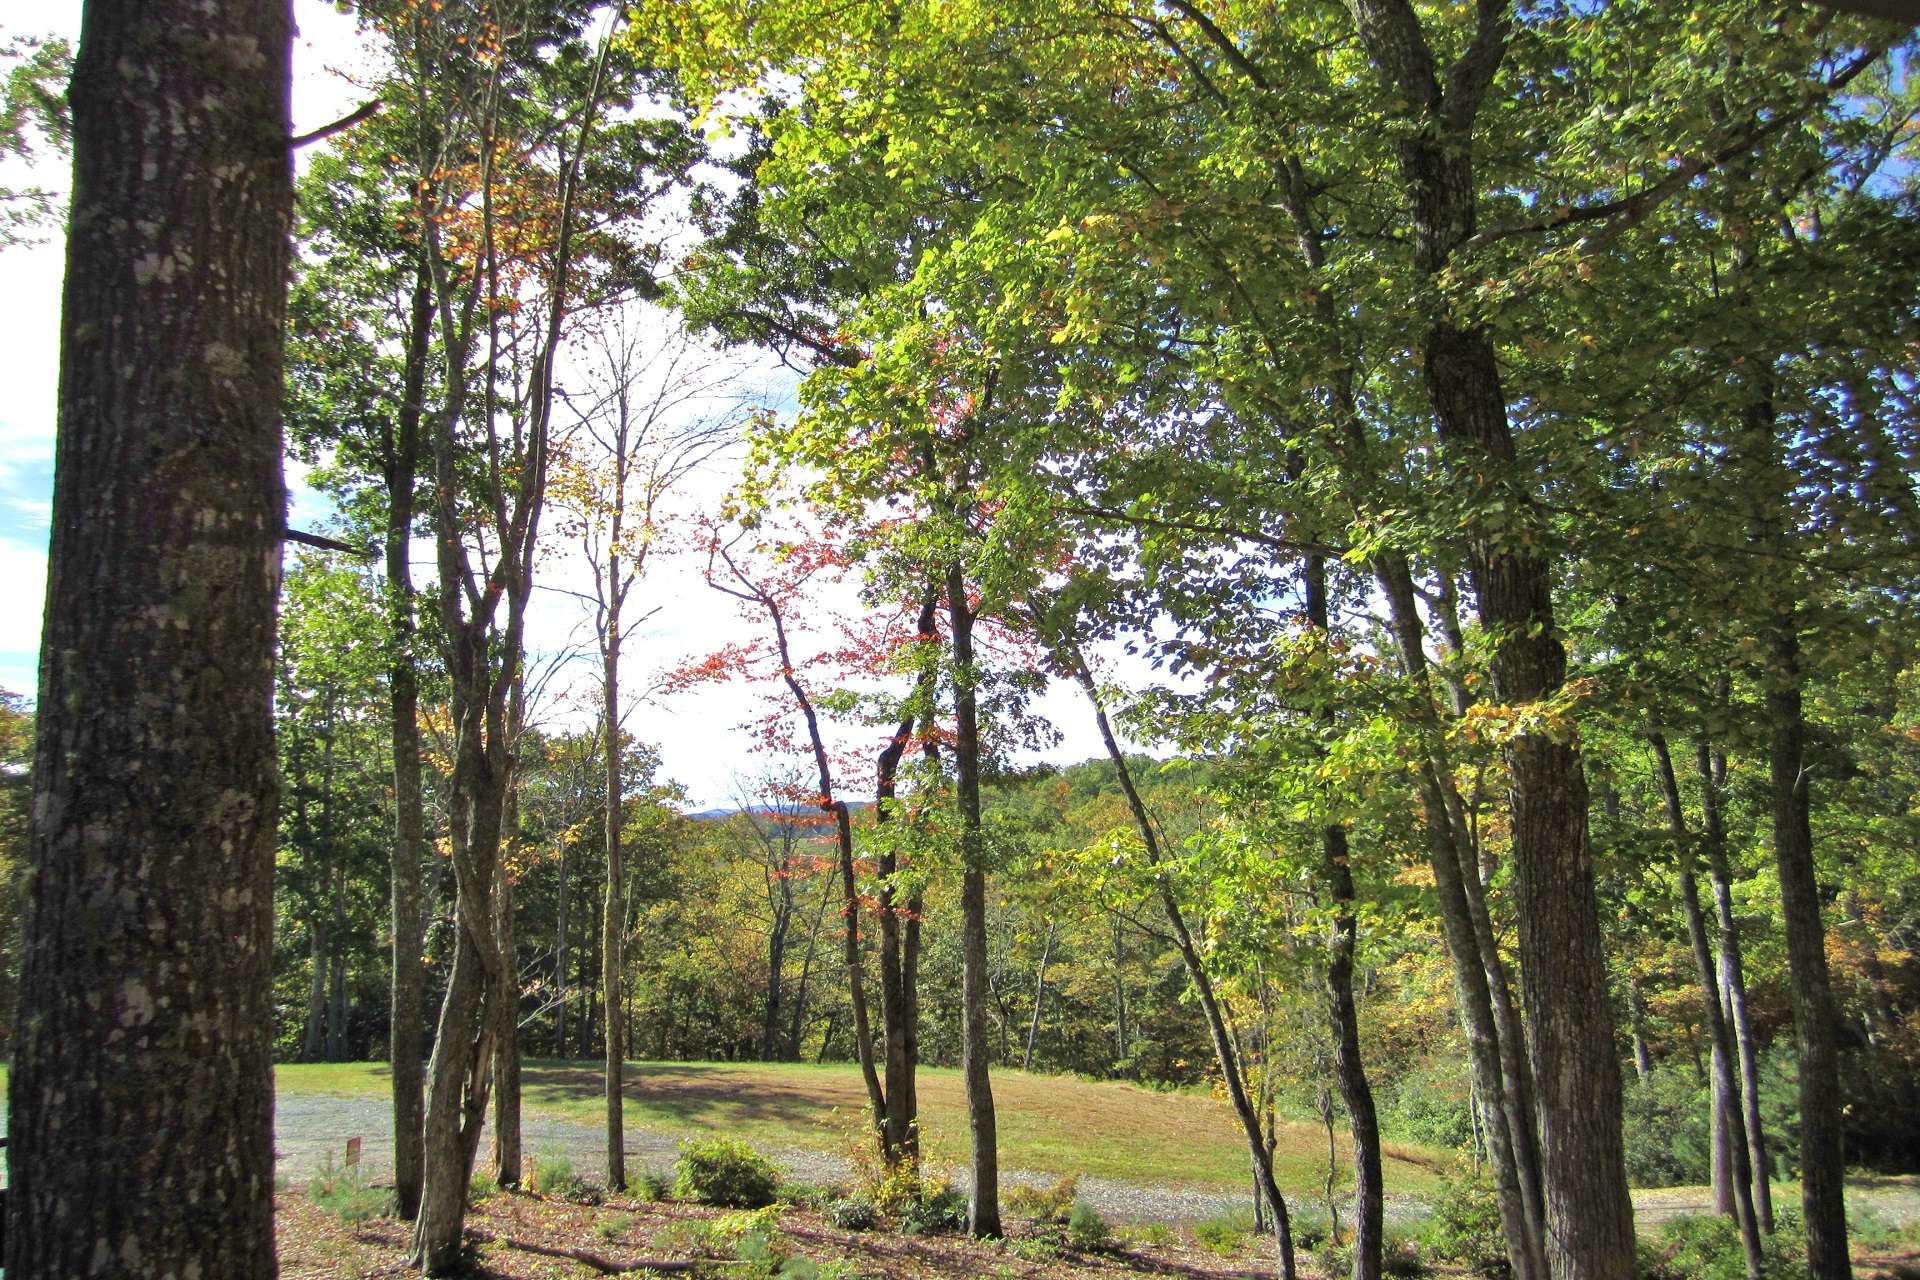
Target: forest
[1458, 461]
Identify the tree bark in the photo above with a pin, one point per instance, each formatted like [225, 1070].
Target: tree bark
[506, 995]
[560, 976]
[406, 1039]
[1336, 872]
[1725, 1093]
[1815, 1021]
[1733, 979]
[145, 985]
[983, 1208]
[614, 911]
[1497, 1064]
[1589, 1214]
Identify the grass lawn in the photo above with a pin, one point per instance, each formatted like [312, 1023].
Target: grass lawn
[1050, 1124]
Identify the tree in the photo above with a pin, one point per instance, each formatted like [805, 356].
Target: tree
[649, 426]
[144, 986]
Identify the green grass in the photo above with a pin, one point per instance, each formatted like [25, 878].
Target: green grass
[1049, 1124]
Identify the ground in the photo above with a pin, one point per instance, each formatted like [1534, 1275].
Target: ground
[314, 1245]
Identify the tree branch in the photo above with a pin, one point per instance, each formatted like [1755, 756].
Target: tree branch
[325, 131]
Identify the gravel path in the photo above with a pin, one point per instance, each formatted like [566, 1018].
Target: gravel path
[310, 1128]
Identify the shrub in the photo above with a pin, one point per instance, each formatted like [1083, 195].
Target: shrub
[1707, 1247]
[1043, 1244]
[651, 1186]
[1157, 1234]
[1333, 1258]
[1309, 1231]
[853, 1213]
[939, 1210]
[1431, 1105]
[1401, 1257]
[722, 1171]
[613, 1228]
[552, 1173]
[1226, 1234]
[480, 1185]
[810, 1195]
[1086, 1229]
[344, 1193]
[1045, 1204]
[1465, 1226]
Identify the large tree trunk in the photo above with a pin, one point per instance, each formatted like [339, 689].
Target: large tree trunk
[1733, 983]
[1726, 1098]
[406, 1039]
[983, 1209]
[145, 983]
[1497, 1064]
[1589, 1214]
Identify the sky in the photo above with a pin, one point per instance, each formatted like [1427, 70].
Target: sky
[703, 746]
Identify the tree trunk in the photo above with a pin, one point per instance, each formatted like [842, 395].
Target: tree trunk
[1589, 1214]
[145, 986]
[1498, 1065]
[614, 911]
[313, 1039]
[560, 975]
[506, 996]
[337, 971]
[406, 1039]
[1259, 1151]
[1039, 999]
[1822, 1149]
[1336, 872]
[1119, 991]
[1637, 1030]
[1726, 1099]
[796, 1024]
[776, 958]
[1733, 980]
[983, 1209]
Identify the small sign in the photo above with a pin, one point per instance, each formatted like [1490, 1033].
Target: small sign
[353, 1152]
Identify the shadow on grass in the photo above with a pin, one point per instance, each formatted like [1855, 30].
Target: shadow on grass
[691, 1092]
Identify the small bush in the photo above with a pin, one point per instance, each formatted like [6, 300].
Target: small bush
[722, 1171]
[940, 1210]
[613, 1228]
[344, 1193]
[809, 1195]
[1333, 1258]
[1086, 1229]
[1042, 1245]
[480, 1185]
[1225, 1235]
[1401, 1258]
[853, 1213]
[1310, 1231]
[651, 1186]
[552, 1173]
[1869, 1229]
[1045, 1204]
[1157, 1235]
[1465, 1226]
